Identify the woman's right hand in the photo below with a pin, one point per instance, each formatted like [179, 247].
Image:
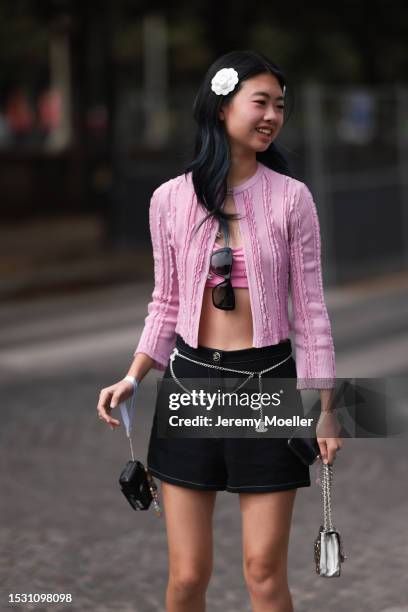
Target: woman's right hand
[111, 397]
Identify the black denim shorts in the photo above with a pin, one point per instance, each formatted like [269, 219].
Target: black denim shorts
[230, 463]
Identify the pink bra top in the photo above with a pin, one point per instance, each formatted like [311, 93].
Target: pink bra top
[238, 273]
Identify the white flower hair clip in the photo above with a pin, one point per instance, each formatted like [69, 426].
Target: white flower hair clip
[224, 81]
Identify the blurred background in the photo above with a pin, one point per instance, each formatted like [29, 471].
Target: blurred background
[96, 112]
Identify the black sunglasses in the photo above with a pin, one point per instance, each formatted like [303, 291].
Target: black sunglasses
[223, 296]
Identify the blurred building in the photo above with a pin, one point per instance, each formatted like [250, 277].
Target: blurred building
[95, 112]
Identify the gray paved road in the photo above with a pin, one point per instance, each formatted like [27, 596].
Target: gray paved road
[65, 527]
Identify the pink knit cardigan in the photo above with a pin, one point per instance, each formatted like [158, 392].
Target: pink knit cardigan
[280, 235]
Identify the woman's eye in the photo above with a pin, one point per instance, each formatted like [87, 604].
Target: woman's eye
[263, 103]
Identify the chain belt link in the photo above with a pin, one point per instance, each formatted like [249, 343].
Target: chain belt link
[175, 352]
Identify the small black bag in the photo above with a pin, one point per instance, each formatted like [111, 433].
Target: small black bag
[135, 480]
[307, 449]
[135, 486]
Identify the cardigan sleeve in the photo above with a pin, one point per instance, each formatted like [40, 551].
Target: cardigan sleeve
[315, 359]
[158, 337]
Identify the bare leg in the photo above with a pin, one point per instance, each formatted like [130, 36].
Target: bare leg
[266, 520]
[188, 514]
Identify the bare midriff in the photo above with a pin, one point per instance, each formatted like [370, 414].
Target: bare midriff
[228, 330]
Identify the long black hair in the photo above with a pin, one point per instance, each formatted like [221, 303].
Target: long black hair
[211, 162]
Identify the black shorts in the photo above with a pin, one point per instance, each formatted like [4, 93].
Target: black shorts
[230, 463]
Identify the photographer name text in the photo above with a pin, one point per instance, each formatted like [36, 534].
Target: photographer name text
[205, 421]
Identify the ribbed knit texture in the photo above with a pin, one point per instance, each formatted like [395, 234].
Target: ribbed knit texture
[281, 242]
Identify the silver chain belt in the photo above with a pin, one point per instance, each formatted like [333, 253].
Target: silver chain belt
[262, 427]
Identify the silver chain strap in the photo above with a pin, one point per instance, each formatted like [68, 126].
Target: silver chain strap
[327, 470]
[175, 352]
[326, 490]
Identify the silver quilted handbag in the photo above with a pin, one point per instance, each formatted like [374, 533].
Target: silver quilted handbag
[328, 548]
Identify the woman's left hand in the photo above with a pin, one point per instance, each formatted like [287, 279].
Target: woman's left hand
[327, 430]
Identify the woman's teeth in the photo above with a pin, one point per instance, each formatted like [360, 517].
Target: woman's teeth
[262, 131]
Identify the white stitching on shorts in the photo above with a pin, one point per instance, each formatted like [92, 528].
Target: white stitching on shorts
[181, 480]
[280, 484]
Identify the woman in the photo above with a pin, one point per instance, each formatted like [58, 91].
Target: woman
[235, 205]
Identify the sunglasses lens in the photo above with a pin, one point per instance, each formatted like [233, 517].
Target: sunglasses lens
[221, 262]
[223, 296]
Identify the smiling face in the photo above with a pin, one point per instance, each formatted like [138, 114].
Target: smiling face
[258, 104]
